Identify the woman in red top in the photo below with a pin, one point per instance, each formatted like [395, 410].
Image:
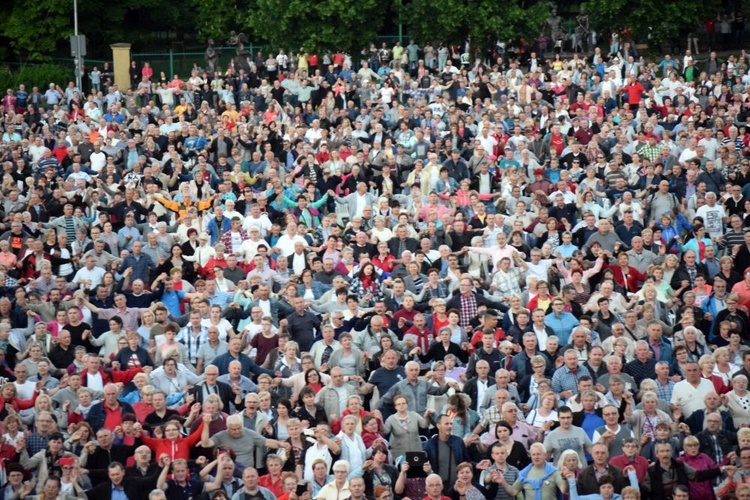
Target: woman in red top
[8, 395]
[627, 277]
[147, 71]
[384, 260]
[353, 407]
[173, 444]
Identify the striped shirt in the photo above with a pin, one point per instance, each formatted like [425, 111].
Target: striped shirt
[510, 474]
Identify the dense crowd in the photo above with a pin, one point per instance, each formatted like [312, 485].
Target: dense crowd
[408, 275]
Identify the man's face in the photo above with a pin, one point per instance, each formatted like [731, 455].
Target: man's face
[116, 475]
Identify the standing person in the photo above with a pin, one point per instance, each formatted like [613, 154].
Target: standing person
[567, 436]
[666, 474]
[539, 480]
[445, 451]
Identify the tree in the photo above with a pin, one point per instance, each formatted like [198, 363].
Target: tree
[484, 22]
[647, 22]
[216, 19]
[35, 29]
[319, 26]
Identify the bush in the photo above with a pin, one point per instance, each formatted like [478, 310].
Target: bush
[35, 75]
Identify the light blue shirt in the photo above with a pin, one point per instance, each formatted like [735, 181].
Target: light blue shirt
[122, 237]
[118, 493]
[562, 325]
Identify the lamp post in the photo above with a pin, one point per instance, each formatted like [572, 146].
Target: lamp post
[78, 48]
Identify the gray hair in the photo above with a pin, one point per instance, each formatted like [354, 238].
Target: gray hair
[343, 463]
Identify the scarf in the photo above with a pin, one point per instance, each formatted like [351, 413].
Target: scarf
[536, 484]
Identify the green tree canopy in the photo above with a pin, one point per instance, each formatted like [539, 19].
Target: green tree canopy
[483, 21]
[649, 22]
[319, 26]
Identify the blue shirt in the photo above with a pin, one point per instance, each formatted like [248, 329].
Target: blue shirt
[562, 325]
[171, 301]
[122, 237]
[118, 493]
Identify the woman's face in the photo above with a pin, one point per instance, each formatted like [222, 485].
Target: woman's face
[571, 462]
[465, 475]
[290, 483]
[42, 404]
[354, 405]
[372, 426]
[348, 426]
[649, 404]
[502, 433]
[282, 411]
[84, 399]
[692, 449]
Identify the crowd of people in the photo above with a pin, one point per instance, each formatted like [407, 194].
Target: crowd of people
[409, 276]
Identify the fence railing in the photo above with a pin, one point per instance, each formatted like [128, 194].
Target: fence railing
[170, 62]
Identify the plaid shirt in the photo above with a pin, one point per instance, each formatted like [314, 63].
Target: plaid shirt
[507, 282]
[36, 443]
[192, 342]
[565, 380]
[468, 309]
[664, 391]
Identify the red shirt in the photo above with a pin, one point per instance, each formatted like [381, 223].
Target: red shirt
[634, 92]
[743, 291]
[639, 463]
[277, 488]
[113, 418]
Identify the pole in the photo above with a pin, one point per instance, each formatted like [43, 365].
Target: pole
[171, 61]
[79, 57]
[400, 23]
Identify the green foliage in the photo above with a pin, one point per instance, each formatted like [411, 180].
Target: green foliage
[34, 29]
[323, 25]
[216, 19]
[483, 21]
[644, 18]
[39, 75]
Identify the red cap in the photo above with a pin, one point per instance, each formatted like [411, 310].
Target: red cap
[538, 171]
[67, 461]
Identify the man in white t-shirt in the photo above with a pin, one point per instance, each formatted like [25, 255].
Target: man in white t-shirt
[713, 215]
[690, 393]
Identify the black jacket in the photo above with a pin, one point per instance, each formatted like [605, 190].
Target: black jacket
[653, 488]
[225, 394]
[587, 483]
[135, 487]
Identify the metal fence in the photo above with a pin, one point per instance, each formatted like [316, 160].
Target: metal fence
[182, 63]
[171, 62]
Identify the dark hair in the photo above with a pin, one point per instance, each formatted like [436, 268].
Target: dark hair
[56, 436]
[305, 391]
[286, 403]
[606, 479]
[504, 424]
[307, 379]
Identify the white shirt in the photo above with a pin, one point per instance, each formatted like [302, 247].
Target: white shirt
[265, 306]
[691, 398]
[286, 243]
[712, 219]
[541, 335]
[94, 382]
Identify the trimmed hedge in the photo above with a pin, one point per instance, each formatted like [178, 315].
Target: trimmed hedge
[34, 75]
